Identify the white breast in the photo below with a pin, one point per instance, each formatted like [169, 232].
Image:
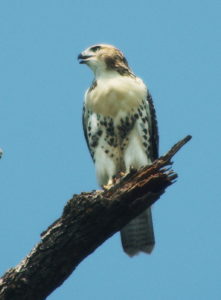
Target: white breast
[114, 94]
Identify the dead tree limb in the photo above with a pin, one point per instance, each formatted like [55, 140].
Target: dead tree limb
[87, 221]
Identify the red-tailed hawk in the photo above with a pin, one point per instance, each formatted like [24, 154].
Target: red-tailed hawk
[120, 128]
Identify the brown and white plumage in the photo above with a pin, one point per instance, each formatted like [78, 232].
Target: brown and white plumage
[120, 129]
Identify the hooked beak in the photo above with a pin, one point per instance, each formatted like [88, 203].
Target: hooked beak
[83, 58]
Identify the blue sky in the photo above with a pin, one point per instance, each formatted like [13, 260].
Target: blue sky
[175, 47]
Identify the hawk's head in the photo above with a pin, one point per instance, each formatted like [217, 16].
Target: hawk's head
[102, 58]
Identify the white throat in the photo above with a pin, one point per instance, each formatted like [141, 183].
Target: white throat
[100, 70]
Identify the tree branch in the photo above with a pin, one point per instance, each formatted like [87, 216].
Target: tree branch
[87, 221]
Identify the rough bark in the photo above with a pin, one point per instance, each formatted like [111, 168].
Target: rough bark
[87, 221]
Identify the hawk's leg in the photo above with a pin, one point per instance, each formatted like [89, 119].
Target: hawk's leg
[114, 180]
[110, 183]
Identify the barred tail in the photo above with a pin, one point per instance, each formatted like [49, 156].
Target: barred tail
[138, 235]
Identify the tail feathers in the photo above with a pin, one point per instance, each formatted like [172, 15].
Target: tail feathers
[138, 235]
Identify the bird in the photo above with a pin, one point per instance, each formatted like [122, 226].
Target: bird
[121, 131]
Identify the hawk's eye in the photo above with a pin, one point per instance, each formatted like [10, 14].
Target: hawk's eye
[95, 48]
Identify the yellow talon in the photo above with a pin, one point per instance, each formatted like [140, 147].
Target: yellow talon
[107, 186]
